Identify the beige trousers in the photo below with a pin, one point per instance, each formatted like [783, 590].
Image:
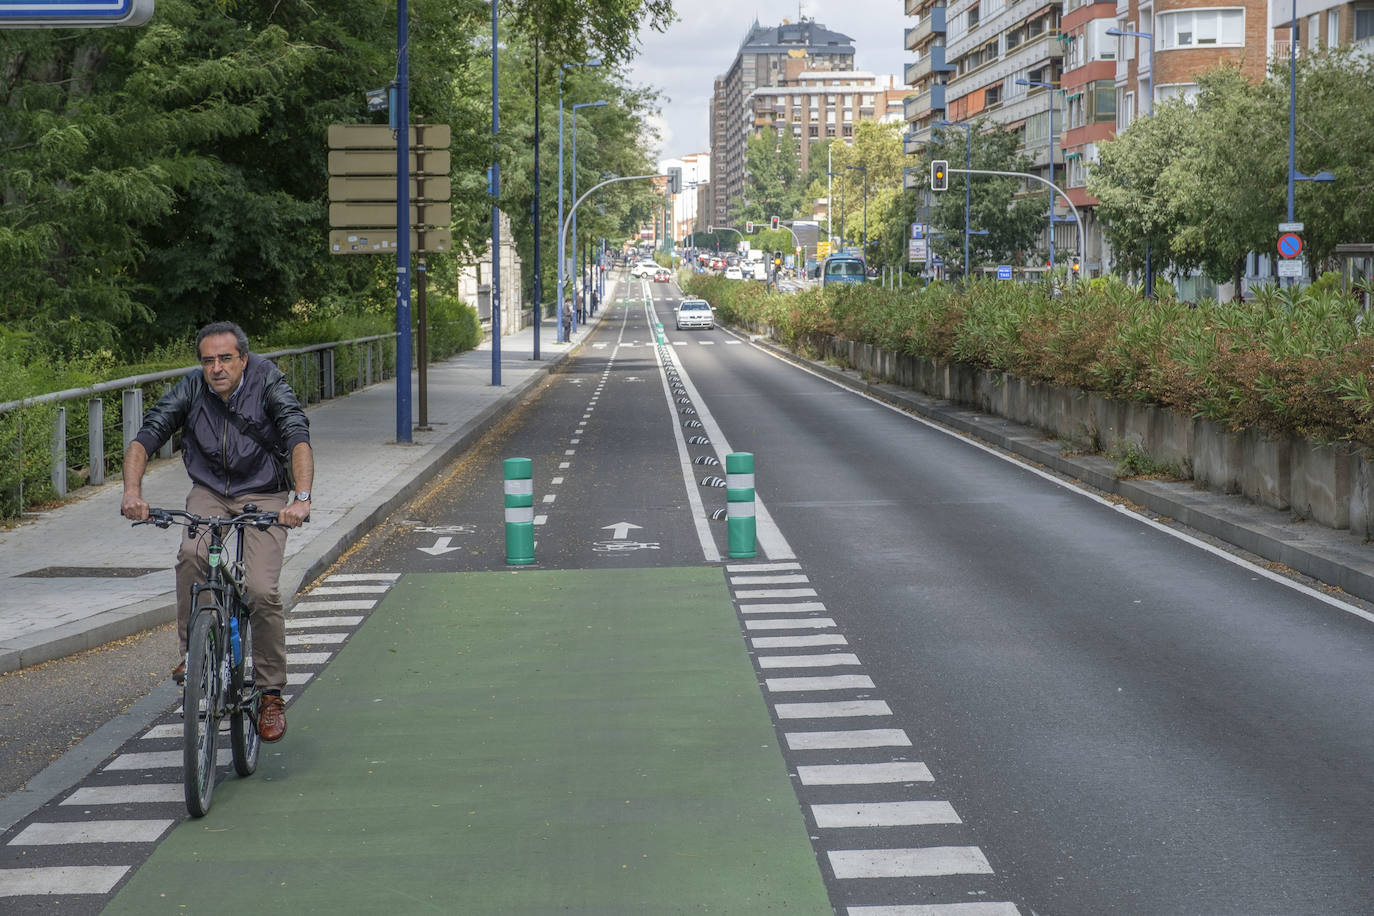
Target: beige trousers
[262, 561]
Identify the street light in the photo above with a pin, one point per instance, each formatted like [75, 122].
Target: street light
[968, 185]
[1150, 110]
[864, 169]
[1050, 86]
[594, 62]
[577, 298]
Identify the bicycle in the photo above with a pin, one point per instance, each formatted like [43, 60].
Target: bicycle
[219, 662]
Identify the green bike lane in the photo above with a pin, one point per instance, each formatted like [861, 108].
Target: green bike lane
[533, 741]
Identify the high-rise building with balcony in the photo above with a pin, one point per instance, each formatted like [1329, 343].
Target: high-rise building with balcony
[762, 60]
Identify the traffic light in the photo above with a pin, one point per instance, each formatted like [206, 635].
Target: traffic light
[777, 256]
[674, 180]
[749, 227]
[939, 175]
[1073, 266]
[775, 222]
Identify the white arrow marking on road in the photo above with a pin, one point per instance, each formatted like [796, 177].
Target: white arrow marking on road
[620, 529]
[440, 547]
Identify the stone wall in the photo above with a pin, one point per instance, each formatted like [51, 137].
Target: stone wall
[1332, 485]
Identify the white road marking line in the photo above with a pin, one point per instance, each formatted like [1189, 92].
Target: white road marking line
[776, 593]
[864, 774]
[308, 658]
[729, 342]
[796, 607]
[314, 622]
[158, 760]
[825, 660]
[311, 639]
[909, 863]
[798, 642]
[801, 684]
[861, 737]
[331, 590]
[837, 710]
[123, 831]
[67, 880]
[564, 465]
[885, 814]
[706, 343]
[128, 795]
[541, 519]
[163, 731]
[768, 580]
[362, 577]
[760, 567]
[937, 909]
[571, 451]
[550, 497]
[555, 481]
[782, 623]
[298, 677]
[305, 606]
[574, 441]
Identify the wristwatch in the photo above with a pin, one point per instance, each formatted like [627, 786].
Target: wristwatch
[302, 496]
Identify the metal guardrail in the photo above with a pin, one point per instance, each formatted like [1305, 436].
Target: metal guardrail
[46, 464]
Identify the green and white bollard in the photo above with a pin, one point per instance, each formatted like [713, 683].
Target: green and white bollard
[519, 511]
[739, 504]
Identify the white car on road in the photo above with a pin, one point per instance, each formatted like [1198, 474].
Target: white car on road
[734, 273]
[644, 269]
[695, 313]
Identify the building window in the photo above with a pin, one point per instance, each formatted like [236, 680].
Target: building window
[1103, 101]
[973, 15]
[1125, 109]
[1364, 22]
[1201, 29]
[1333, 28]
[1185, 91]
[1314, 33]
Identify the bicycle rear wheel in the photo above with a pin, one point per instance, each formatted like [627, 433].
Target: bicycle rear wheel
[243, 717]
[200, 712]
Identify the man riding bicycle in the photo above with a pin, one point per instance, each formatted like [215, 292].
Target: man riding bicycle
[241, 427]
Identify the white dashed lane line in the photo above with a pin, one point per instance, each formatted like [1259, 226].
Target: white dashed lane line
[881, 791]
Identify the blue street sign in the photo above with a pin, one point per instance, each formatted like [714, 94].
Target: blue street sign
[1004, 271]
[1290, 245]
[68, 14]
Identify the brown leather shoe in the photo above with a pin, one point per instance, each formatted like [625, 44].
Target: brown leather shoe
[271, 718]
[179, 672]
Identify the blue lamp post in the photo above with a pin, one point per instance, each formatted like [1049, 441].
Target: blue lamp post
[968, 184]
[576, 296]
[594, 62]
[1050, 86]
[864, 169]
[1149, 110]
[1293, 174]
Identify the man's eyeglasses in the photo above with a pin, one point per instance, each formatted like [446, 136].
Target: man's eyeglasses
[209, 362]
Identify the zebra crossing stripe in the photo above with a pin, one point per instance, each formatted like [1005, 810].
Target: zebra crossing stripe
[152, 793]
[937, 909]
[332, 590]
[885, 814]
[320, 622]
[837, 710]
[158, 760]
[65, 880]
[124, 831]
[925, 862]
[306, 606]
[364, 577]
[827, 660]
[857, 774]
[795, 607]
[802, 684]
[776, 593]
[768, 580]
[310, 639]
[308, 658]
[798, 642]
[781, 623]
[760, 567]
[865, 737]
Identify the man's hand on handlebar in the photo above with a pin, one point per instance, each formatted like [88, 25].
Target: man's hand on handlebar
[133, 507]
[294, 515]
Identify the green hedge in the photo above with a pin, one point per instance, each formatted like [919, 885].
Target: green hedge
[1292, 361]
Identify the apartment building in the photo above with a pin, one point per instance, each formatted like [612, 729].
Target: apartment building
[816, 105]
[761, 61]
[696, 172]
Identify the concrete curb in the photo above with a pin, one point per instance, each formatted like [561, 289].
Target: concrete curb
[1333, 557]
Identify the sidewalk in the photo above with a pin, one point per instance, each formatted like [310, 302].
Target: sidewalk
[78, 576]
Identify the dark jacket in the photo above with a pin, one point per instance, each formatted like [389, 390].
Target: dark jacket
[217, 455]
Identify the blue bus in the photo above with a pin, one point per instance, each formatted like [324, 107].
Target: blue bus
[843, 268]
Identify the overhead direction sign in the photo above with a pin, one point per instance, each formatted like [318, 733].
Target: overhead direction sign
[73, 14]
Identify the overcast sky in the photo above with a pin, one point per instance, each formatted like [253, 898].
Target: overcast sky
[683, 62]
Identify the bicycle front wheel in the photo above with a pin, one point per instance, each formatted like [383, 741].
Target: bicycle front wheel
[243, 718]
[200, 712]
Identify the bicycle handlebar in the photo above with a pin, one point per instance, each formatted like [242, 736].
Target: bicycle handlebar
[164, 518]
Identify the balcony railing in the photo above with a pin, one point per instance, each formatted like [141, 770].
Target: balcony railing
[933, 24]
[933, 61]
[914, 106]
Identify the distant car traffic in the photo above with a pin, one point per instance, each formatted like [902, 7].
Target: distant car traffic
[662, 276]
[695, 313]
[734, 273]
[644, 269]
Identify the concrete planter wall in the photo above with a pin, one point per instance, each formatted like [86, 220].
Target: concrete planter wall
[1332, 485]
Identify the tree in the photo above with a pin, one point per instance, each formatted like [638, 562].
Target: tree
[772, 183]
